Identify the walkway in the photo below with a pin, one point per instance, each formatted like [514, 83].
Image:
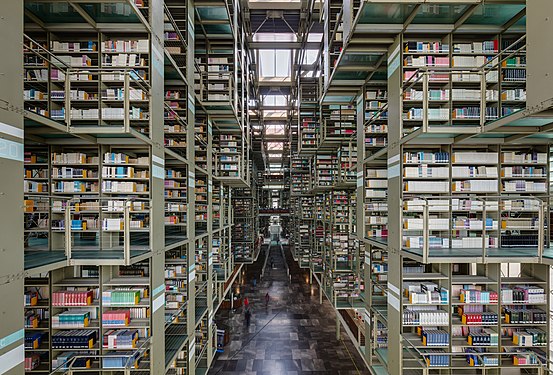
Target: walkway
[293, 335]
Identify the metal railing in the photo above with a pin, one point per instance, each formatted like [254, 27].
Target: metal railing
[108, 233]
[424, 206]
[206, 78]
[130, 361]
[128, 76]
[426, 75]
[422, 357]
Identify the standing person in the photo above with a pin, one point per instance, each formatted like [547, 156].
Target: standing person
[248, 317]
[267, 297]
[254, 282]
[246, 303]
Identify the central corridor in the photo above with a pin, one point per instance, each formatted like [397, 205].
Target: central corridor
[293, 335]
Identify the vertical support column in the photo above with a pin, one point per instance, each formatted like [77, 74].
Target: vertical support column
[539, 22]
[347, 19]
[191, 197]
[11, 192]
[361, 230]
[394, 209]
[157, 231]
[210, 291]
[326, 41]
[337, 325]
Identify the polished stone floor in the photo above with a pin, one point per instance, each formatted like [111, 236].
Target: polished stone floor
[293, 335]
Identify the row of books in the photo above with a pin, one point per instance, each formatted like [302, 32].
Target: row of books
[530, 337]
[480, 318]
[75, 339]
[525, 316]
[526, 294]
[124, 187]
[435, 337]
[124, 172]
[71, 172]
[413, 317]
[120, 339]
[72, 298]
[71, 319]
[140, 45]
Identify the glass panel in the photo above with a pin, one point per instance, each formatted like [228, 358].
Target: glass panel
[212, 13]
[111, 12]
[54, 12]
[275, 37]
[315, 37]
[310, 56]
[275, 63]
[345, 75]
[275, 100]
[356, 59]
[338, 98]
[436, 13]
[494, 14]
[217, 29]
[385, 13]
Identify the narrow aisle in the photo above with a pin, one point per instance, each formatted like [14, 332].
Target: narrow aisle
[293, 335]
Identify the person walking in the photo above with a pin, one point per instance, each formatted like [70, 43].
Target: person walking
[248, 317]
[267, 297]
[246, 303]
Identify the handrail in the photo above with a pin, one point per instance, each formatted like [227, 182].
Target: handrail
[68, 366]
[422, 74]
[25, 36]
[498, 55]
[424, 203]
[412, 348]
[172, 319]
[182, 39]
[126, 212]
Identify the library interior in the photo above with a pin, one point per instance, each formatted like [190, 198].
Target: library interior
[345, 187]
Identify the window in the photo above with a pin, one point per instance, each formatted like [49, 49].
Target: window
[274, 129]
[275, 100]
[275, 63]
[274, 37]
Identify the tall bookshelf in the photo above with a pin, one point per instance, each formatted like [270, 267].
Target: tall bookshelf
[308, 115]
[244, 236]
[464, 221]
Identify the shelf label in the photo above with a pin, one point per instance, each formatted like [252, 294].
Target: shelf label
[191, 350]
[394, 159]
[158, 302]
[158, 290]
[11, 130]
[367, 259]
[157, 160]
[12, 358]
[11, 150]
[393, 301]
[393, 288]
[158, 172]
[158, 59]
[11, 338]
[393, 171]
[393, 61]
[191, 106]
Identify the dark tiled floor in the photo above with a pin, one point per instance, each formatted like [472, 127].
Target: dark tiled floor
[293, 335]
